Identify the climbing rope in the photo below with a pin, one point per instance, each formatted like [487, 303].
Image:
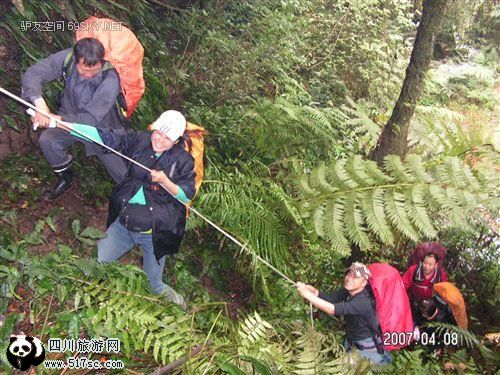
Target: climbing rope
[68, 126]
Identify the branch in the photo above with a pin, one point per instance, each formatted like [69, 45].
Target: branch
[171, 7]
[179, 362]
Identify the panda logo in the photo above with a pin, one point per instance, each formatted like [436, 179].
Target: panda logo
[25, 351]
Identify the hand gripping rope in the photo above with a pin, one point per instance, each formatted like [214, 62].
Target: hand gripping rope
[67, 125]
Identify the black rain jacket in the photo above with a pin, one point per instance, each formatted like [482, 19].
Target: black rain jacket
[168, 214]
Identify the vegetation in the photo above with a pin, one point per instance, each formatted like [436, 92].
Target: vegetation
[294, 96]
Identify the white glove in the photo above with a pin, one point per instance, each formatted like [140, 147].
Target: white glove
[32, 113]
[52, 122]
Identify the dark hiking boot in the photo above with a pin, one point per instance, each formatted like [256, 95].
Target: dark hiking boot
[63, 183]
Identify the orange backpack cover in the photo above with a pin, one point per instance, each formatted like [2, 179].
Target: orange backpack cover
[196, 148]
[123, 50]
[452, 296]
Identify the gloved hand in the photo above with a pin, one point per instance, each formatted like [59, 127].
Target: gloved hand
[39, 120]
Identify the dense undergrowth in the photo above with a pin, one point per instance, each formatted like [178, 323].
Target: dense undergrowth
[293, 95]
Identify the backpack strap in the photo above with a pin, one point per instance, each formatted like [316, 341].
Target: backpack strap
[120, 102]
[68, 65]
[438, 274]
[172, 169]
[374, 325]
[418, 275]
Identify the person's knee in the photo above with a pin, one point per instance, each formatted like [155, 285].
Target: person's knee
[120, 176]
[46, 138]
[116, 167]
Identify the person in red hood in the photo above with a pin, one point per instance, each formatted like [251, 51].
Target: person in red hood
[420, 278]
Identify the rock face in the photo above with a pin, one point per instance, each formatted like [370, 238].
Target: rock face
[12, 141]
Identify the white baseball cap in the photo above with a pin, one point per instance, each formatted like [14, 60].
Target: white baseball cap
[360, 270]
[171, 123]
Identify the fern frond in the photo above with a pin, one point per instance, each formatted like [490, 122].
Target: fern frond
[418, 214]
[275, 191]
[355, 224]
[355, 167]
[318, 178]
[398, 214]
[361, 117]
[393, 165]
[464, 178]
[373, 208]
[370, 205]
[414, 164]
[335, 228]
[341, 176]
[318, 220]
[254, 208]
[378, 175]
[463, 337]
[304, 184]
[148, 324]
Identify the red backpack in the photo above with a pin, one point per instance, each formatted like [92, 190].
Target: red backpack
[393, 306]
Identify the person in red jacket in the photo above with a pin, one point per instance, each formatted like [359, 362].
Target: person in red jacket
[419, 280]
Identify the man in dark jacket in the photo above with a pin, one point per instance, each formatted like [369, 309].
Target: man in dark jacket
[355, 303]
[89, 97]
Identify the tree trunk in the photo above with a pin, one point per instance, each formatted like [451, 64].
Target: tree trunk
[394, 137]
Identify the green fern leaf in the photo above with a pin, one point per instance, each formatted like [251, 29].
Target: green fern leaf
[393, 165]
[340, 175]
[304, 184]
[373, 207]
[318, 179]
[398, 214]
[335, 228]
[318, 220]
[355, 223]
[374, 172]
[414, 164]
[356, 168]
[418, 213]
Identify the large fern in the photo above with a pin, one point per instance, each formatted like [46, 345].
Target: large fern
[109, 301]
[438, 131]
[247, 202]
[142, 323]
[464, 338]
[283, 129]
[261, 349]
[354, 201]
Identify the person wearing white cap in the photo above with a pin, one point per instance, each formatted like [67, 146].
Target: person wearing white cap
[141, 212]
[355, 303]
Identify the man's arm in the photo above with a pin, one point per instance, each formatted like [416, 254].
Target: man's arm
[334, 296]
[41, 73]
[314, 296]
[36, 77]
